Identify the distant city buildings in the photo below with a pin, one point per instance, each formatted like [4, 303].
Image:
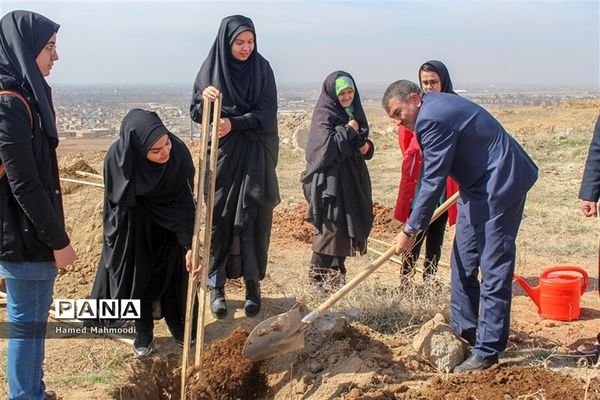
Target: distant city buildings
[97, 111]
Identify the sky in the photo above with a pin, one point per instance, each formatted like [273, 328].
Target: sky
[483, 43]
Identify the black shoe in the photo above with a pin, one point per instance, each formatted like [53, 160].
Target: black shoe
[252, 304]
[476, 363]
[142, 345]
[218, 307]
[176, 329]
[49, 395]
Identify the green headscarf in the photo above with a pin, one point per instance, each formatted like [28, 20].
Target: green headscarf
[341, 83]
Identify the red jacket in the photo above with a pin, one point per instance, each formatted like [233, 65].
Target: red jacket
[411, 167]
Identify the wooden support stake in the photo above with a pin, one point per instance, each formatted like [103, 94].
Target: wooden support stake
[194, 290]
[82, 182]
[210, 203]
[89, 174]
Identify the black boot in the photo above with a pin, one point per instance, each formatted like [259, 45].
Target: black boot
[142, 345]
[218, 307]
[252, 304]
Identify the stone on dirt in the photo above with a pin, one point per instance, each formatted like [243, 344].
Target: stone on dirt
[437, 343]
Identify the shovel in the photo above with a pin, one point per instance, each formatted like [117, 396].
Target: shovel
[284, 333]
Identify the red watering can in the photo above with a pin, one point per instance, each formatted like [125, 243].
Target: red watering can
[558, 294]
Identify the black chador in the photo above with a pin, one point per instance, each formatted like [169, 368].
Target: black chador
[336, 181]
[246, 184]
[148, 220]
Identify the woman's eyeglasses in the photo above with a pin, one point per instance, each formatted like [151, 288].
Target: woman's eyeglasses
[431, 82]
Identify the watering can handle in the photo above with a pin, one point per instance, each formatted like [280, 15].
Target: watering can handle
[568, 268]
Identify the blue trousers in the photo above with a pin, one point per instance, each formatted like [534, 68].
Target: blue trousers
[29, 287]
[483, 308]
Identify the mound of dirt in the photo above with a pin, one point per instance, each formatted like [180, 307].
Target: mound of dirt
[502, 382]
[384, 224]
[356, 362]
[153, 378]
[69, 167]
[226, 373]
[335, 363]
[289, 224]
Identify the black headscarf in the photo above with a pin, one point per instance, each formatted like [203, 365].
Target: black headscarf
[131, 179]
[248, 87]
[128, 173]
[442, 71]
[328, 114]
[23, 35]
[148, 210]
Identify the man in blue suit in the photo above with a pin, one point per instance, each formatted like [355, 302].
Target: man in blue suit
[589, 193]
[494, 173]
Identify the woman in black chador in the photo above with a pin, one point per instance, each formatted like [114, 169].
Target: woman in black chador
[148, 224]
[336, 181]
[246, 188]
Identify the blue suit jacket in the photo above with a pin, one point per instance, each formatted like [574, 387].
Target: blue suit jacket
[461, 139]
[590, 184]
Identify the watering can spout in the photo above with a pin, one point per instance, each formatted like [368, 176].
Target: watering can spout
[532, 292]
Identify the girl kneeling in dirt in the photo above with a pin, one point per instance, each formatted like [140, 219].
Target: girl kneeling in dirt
[336, 180]
[147, 225]
[246, 184]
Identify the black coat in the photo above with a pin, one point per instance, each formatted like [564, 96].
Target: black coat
[31, 212]
[31, 215]
[590, 184]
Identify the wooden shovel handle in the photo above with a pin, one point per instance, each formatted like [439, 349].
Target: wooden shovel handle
[361, 276]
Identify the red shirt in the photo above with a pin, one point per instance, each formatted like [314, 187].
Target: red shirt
[411, 168]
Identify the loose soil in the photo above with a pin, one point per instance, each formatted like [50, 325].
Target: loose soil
[225, 374]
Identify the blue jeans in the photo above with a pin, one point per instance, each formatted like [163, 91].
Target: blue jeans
[29, 288]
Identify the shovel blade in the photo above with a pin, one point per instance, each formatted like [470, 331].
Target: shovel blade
[274, 336]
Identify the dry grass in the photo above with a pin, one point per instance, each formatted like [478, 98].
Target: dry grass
[382, 301]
